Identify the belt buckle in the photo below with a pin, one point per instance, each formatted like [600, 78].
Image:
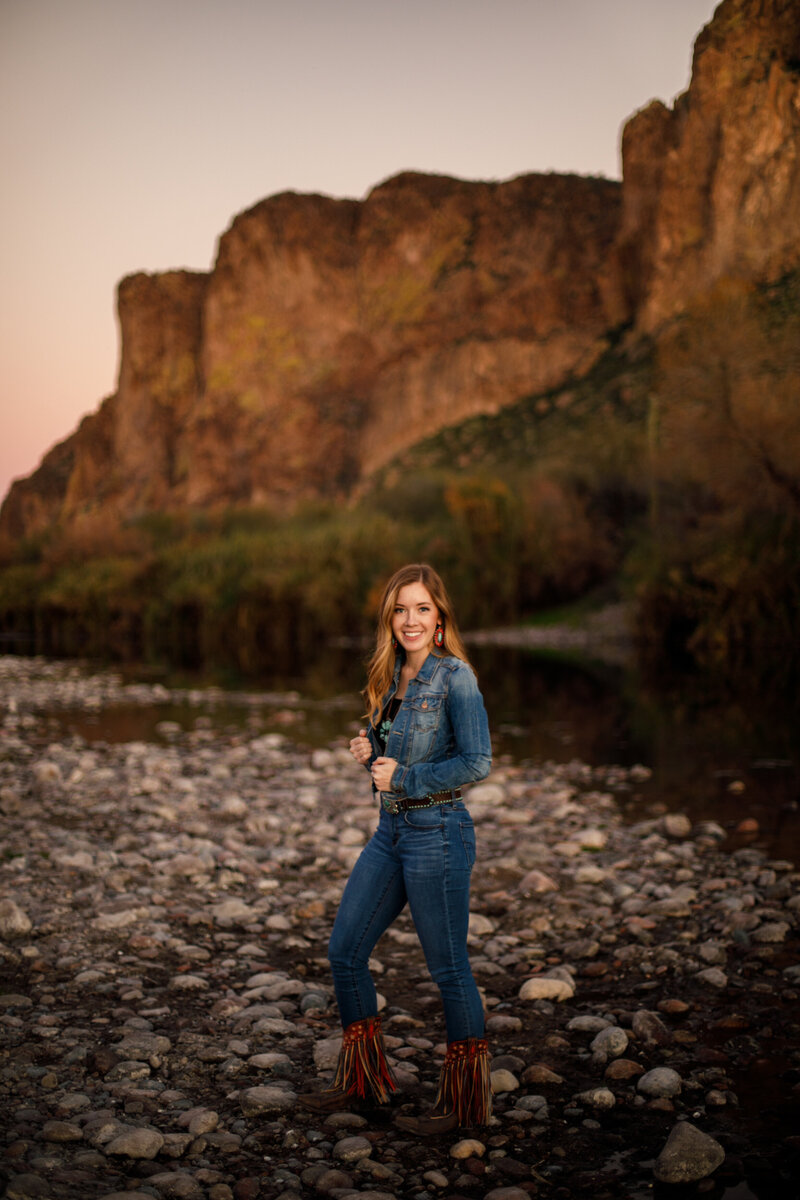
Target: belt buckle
[389, 805]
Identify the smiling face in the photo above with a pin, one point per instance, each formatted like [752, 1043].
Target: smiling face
[414, 621]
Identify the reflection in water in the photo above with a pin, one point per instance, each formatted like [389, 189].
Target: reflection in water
[713, 756]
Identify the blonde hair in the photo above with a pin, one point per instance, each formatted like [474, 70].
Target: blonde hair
[381, 666]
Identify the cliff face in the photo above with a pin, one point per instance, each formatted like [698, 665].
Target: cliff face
[712, 187]
[337, 333]
[331, 334]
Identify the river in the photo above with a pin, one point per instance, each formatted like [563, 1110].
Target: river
[718, 757]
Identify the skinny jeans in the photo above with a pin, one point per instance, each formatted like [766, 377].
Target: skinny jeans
[422, 858]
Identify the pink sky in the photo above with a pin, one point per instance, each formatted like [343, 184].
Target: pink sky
[131, 134]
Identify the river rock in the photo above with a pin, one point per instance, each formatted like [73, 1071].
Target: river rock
[713, 977]
[676, 825]
[468, 1148]
[185, 885]
[177, 1185]
[688, 1156]
[255, 1101]
[352, 1149]
[504, 1081]
[609, 1043]
[542, 988]
[14, 921]
[535, 883]
[136, 1143]
[600, 1098]
[539, 1073]
[588, 1024]
[660, 1082]
[649, 1029]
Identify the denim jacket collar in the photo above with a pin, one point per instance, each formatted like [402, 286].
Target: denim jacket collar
[423, 675]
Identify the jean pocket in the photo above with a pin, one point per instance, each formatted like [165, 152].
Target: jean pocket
[426, 820]
[468, 841]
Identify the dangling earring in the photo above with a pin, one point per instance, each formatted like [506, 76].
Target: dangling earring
[394, 642]
[438, 634]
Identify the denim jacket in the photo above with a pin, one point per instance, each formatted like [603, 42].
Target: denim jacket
[440, 736]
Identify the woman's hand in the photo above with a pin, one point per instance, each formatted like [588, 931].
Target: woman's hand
[382, 771]
[360, 748]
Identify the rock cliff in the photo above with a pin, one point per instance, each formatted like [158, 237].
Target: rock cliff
[711, 187]
[332, 334]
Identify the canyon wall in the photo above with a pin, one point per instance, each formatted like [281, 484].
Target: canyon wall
[332, 334]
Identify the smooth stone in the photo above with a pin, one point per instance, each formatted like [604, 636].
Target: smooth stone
[542, 988]
[14, 921]
[270, 1061]
[539, 1073]
[257, 1100]
[676, 825]
[593, 839]
[332, 1179]
[535, 883]
[588, 1024]
[136, 1143]
[480, 926]
[346, 1120]
[713, 953]
[117, 920]
[351, 1149]
[139, 1043]
[61, 1131]
[610, 1043]
[532, 1103]
[205, 1121]
[623, 1068]
[489, 794]
[500, 1023]
[688, 1156]
[674, 1007]
[713, 977]
[772, 932]
[504, 1081]
[437, 1179]
[590, 874]
[650, 1029]
[27, 1187]
[468, 1148]
[602, 1098]
[660, 1082]
[177, 1185]
[326, 1052]
[188, 983]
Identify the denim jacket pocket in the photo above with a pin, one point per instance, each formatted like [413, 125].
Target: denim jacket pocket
[426, 709]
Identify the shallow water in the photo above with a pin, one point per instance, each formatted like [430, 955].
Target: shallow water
[714, 756]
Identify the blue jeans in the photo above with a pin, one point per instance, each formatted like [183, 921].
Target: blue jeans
[423, 858]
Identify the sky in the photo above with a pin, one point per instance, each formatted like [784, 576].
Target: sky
[131, 134]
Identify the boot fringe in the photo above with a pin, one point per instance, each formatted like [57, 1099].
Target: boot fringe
[362, 1069]
[465, 1085]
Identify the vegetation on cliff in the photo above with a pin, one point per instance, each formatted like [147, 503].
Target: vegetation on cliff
[670, 473]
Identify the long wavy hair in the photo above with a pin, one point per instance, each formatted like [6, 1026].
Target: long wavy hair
[381, 665]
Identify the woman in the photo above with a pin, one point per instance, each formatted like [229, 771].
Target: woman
[427, 736]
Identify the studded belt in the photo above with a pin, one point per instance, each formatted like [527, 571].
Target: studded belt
[394, 804]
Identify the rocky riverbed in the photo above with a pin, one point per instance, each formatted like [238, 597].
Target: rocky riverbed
[164, 913]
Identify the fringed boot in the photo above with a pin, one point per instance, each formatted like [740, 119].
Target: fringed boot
[465, 1091]
[363, 1076]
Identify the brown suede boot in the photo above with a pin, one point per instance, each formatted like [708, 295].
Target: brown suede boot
[465, 1092]
[363, 1076]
